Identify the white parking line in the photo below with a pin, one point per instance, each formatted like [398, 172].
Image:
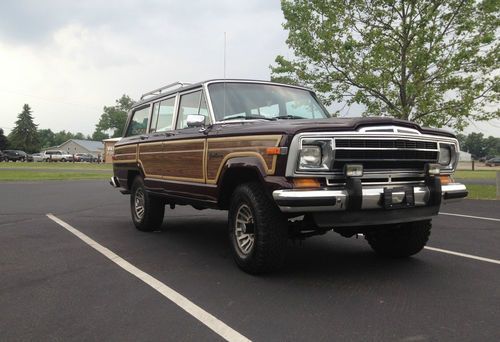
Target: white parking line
[470, 216]
[194, 310]
[493, 261]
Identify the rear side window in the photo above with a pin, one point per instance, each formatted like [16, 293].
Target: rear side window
[139, 123]
[163, 113]
[192, 103]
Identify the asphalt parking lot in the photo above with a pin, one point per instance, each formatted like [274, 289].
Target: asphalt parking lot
[55, 286]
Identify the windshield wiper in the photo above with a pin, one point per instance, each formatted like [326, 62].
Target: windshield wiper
[288, 117]
[249, 117]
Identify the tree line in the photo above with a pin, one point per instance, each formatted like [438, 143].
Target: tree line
[479, 146]
[26, 135]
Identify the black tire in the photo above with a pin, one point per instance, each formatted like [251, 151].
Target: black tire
[63, 160]
[400, 240]
[269, 226]
[153, 208]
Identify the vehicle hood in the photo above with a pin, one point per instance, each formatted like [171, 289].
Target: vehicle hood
[320, 125]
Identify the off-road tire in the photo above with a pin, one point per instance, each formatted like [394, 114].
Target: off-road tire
[270, 230]
[400, 240]
[153, 208]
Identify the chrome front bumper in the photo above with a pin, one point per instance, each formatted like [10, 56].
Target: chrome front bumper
[326, 200]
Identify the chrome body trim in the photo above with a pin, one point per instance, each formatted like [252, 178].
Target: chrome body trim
[372, 197]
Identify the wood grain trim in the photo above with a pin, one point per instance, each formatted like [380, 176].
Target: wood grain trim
[269, 171]
[130, 151]
[176, 178]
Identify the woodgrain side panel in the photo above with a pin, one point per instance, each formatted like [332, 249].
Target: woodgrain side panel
[151, 159]
[175, 160]
[219, 150]
[125, 154]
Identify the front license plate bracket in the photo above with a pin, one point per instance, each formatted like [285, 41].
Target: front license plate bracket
[400, 197]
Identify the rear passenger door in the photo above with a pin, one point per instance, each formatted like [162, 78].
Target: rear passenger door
[151, 151]
[185, 148]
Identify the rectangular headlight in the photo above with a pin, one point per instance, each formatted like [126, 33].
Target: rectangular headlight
[310, 157]
[444, 154]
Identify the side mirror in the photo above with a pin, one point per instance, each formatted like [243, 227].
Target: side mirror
[195, 120]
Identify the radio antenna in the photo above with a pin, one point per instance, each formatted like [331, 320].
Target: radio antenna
[224, 111]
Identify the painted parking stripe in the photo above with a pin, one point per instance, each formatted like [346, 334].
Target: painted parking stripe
[470, 216]
[475, 257]
[194, 310]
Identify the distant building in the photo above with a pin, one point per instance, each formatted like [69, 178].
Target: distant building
[465, 156]
[109, 149]
[74, 146]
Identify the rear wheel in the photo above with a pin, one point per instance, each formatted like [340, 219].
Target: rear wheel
[147, 210]
[257, 230]
[400, 240]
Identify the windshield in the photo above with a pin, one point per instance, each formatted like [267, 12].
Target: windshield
[237, 101]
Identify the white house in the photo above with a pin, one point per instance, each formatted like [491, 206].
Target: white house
[465, 156]
[73, 146]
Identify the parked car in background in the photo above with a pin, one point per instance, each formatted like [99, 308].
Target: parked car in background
[493, 162]
[15, 155]
[57, 155]
[37, 157]
[85, 157]
[2, 156]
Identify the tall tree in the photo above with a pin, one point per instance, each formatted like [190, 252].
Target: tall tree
[435, 62]
[114, 118]
[46, 137]
[474, 144]
[24, 136]
[3, 140]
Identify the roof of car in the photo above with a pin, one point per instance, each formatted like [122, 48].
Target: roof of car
[188, 86]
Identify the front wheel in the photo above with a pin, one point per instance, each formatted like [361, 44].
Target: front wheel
[257, 230]
[147, 210]
[400, 240]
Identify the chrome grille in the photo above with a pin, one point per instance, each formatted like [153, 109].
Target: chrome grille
[385, 154]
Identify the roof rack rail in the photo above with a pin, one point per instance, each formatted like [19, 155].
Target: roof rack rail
[159, 90]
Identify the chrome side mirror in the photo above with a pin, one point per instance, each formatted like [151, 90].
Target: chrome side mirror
[195, 120]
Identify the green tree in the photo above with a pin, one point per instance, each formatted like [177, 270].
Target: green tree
[24, 136]
[114, 118]
[46, 137]
[491, 147]
[3, 140]
[474, 144]
[99, 136]
[62, 136]
[435, 62]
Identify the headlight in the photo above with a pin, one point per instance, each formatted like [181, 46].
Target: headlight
[444, 154]
[310, 157]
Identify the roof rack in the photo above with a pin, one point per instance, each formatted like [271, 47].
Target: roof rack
[159, 90]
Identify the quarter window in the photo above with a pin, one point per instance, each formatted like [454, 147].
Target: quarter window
[139, 123]
[192, 103]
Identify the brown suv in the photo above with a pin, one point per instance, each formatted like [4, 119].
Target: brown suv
[272, 155]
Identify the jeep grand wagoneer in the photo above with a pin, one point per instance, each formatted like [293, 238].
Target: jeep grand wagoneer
[273, 157]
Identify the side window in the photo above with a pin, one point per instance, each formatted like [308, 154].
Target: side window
[163, 113]
[192, 103]
[139, 122]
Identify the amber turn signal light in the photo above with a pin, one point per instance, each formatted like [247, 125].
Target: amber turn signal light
[306, 183]
[276, 151]
[445, 180]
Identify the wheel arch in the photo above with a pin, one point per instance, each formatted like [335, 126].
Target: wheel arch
[237, 171]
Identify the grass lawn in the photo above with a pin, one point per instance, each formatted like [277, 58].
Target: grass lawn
[56, 165]
[486, 174]
[29, 175]
[477, 191]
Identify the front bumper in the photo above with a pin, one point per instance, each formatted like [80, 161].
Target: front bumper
[356, 204]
